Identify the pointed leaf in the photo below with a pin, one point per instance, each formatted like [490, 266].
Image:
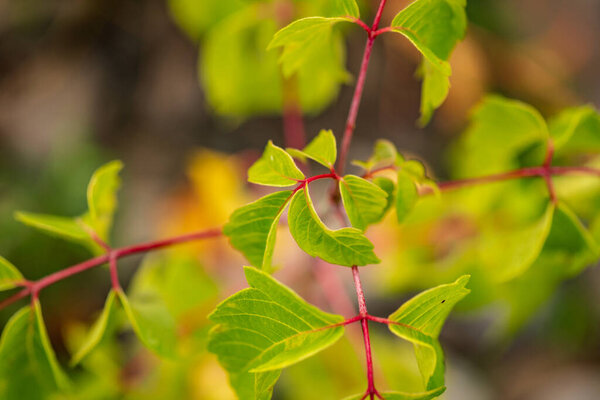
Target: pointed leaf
[420, 321]
[406, 195]
[102, 197]
[434, 27]
[364, 201]
[302, 39]
[346, 246]
[275, 168]
[63, 227]
[9, 275]
[575, 130]
[151, 322]
[99, 329]
[429, 395]
[252, 228]
[268, 327]
[321, 149]
[510, 254]
[384, 154]
[28, 366]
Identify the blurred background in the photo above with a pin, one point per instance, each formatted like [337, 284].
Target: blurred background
[85, 82]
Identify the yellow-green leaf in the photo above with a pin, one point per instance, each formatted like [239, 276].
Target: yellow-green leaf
[275, 168]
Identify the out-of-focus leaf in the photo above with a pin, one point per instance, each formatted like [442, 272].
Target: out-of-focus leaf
[275, 168]
[151, 321]
[62, 227]
[321, 149]
[509, 254]
[346, 246]
[252, 228]
[102, 197]
[99, 329]
[9, 275]
[576, 130]
[388, 186]
[265, 328]
[420, 321]
[431, 394]
[364, 201]
[28, 366]
[195, 17]
[406, 195]
[499, 130]
[384, 154]
[434, 27]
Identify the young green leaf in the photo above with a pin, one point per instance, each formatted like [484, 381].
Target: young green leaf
[509, 254]
[346, 246]
[275, 168]
[433, 27]
[406, 195]
[429, 395]
[9, 275]
[500, 129]
[63, 227]
[321, 149]
[302, 39]
[268, 327]
[98, 330]
[388, 186]
[252, 228]
[102, 197]
[420, 321]
[384, 154]
[151, 322]
[575, 130]
[346, 8]
[28, 366]
[364, 201]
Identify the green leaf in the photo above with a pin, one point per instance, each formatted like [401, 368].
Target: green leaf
[102, 197]
[384, 154]
[500, 129]
[62, 227]
[267, 327]
[406, 195]
[275, 168]
[364, 201]
[431, 394]
[433, 27]
[321, 149]
[420, 321]
[388, 186]
[301, 40]
[346, 8]
[346, 246]
[509, 254]
[99, 329]
[28, 366]
[151, 322]
[252, 229]
[576, 130]
[9, 275]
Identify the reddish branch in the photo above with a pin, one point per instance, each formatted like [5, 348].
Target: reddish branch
[34, 287]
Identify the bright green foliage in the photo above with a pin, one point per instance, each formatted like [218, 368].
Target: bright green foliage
[430, 394]
[195, 17]
[500, 130]
[388, 186]
[384, 155]
[9, 275]
[302, 39]
[237, 71]
[406, 195]
[265, 328]
[321, 149]
[365, 202]
[151, 321]
[28, 366]
[420, 321]
[98, 331]
[508, 255]
[102, 202]
[346, 246]
[576, 130]
[346, 8]
[275, 168]
[252, 229]
[434, 27]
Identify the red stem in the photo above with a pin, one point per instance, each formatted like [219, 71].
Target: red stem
[358, 90]
[364, 315]
[34, 287]
[114, 273]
